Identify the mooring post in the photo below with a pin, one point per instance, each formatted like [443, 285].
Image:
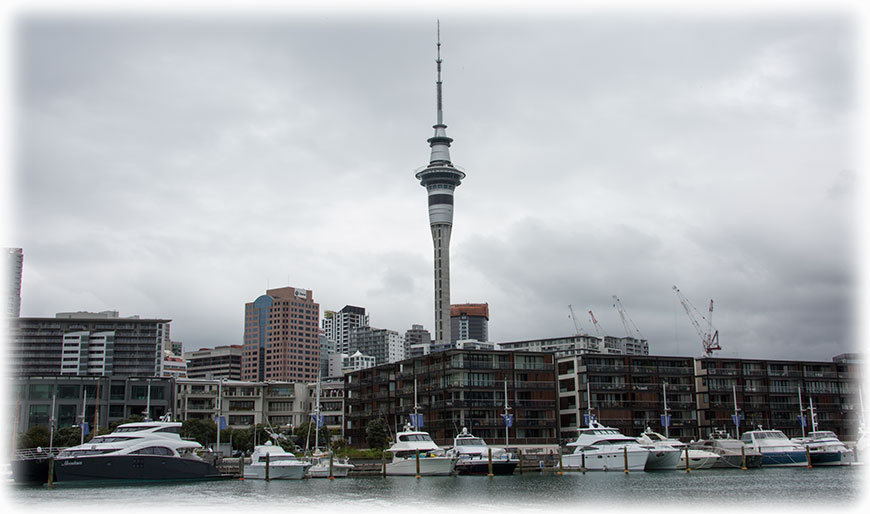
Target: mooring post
[50, 471]
[331, 475]
[418, 462]
[625, 457]
[267, 466]
[743, 455]
[561, 469]
[687, 459]
[241, 467]
[809, 464]
[383, 463]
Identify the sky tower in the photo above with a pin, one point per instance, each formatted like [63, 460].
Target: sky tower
[440, 178]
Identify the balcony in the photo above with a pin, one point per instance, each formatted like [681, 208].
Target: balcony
[723, 372]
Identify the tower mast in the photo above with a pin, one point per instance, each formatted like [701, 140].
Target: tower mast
[440, 178]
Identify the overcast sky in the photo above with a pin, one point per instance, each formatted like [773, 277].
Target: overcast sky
[176, 166]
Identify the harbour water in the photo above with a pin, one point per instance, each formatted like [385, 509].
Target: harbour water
[770, 489]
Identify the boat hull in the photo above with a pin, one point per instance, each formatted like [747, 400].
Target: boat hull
[134, 468]
[829, 458]
[607, 461]
[481, 467]
[789, 458]
[429, 466]
[277, 472]
[736, 461]
[30, 471]
[662, 459]
[339, 470]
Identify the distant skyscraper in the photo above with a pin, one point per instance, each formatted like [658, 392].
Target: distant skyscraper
[282, 337]
[382, 344]
[440, 178]
[469, 321]
[338, 325]
[14, 265]
[418, 341]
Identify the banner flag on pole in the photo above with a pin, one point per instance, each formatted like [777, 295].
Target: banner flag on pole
[221, 422]
[86, 429]
[737, 418]
[803, 420]
[318, 419]
[588, 419]
[508, 420]
[666, 420]
[416, 420]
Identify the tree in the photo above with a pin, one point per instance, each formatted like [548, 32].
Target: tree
[305, 435]
[35, 436]
[203, 431]
[376, 434]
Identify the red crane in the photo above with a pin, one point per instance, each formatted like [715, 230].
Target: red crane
[710, 338]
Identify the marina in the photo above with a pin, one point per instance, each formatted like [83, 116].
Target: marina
[765, 487]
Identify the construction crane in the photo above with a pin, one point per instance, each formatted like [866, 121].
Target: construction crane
[710, 338]
[577, 330]
[595, 324]
[626, 319]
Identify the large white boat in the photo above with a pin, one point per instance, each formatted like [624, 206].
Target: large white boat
[473, 456]
[697, 459]
[603, 448]
[144, 451]
[776, 449]
[282, 465]
[409, 445]
[662, 453]
[826, 449]
[320, 466]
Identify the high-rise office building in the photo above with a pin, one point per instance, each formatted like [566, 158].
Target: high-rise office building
[440, 178]
[418, 341]
[338, 325]
[14, 264]
[281, 340]
[383, 344]
[469, 321]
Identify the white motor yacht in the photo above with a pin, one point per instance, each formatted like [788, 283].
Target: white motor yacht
[144, 451]
[776, 449]
[320, 466]
[826, 449]
[697, 459]
[409, 445]
[732, 452]
[473, 456]
[603, 448]
[282, 465]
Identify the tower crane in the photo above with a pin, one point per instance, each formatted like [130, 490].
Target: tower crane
[577, 330]
[710, 338]
[595, 324]
[626, 319]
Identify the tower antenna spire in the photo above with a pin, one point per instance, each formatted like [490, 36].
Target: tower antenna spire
[440, 118]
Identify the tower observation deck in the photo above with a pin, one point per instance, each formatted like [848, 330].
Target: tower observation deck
[440, 178]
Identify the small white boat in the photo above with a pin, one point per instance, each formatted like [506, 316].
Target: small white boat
[320, 466]
[282, 465]
[732, 452]
[697, 459]
[826, 449]
[473, 456]
[776, 449]
[413, 447]
[662, 454]
[600, 448]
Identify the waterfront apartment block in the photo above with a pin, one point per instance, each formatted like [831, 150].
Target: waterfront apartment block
[456, 389]
[102, 344]
[774, 393]
[102, 400]
[281, 339]
[243, 404]
[215, 363]
[331, 404]
[628, 392]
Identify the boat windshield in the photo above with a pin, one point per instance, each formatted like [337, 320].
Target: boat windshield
[110, 439]
[85, 452]
[276, 458]
[415, 437]
[825, 434]
[474, 441]
[138, 428]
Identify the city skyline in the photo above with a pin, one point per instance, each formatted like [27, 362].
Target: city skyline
[175, 167]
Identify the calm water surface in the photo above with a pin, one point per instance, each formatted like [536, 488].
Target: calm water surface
[842, 487]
